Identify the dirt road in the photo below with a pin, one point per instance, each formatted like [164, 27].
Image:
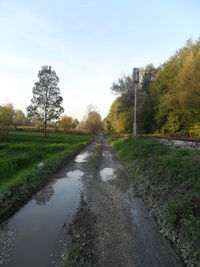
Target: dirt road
[120, 233]
[126, 233]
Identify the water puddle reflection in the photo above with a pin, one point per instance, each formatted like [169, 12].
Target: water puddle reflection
[41, 221]
[107, 174]
[77, 174]
[82, 157]
[44, 195]
[107, 154]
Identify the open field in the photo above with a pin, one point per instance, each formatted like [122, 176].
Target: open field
[168, 178]
[23, 151]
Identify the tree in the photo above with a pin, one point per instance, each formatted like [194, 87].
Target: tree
[75, 123]
[81, 125]
[6, 114]
[46, 101]
[93, 121]
[118, 119]
[176, 93]
[146, 120]
[124, 87]
[170, 103]
[19, 118]
[37, 123]
[107, 125]
[65, 123]
[6, 119]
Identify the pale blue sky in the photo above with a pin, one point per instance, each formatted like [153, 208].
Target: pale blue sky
[89, 43]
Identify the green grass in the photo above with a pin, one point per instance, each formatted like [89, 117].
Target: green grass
[171, 176]
[22, 152]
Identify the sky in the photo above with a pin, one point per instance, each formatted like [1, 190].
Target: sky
[89, 43]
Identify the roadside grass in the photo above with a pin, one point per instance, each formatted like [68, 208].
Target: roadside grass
[23, 151]
[169, 176]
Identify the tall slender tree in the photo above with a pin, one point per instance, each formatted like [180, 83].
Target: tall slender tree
[46, 101]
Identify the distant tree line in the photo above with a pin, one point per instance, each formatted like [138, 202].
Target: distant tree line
[168, 97]
[16, 119]
[11, 117]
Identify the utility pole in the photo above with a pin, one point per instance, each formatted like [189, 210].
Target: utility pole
[135, 83]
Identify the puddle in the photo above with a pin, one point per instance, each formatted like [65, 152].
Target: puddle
[107, 154]
[39, 224]
[77, 174]
[107, 174]
[82, 157]
[44, 195]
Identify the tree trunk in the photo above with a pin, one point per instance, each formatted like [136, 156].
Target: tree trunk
[45, 128]
[45, 116]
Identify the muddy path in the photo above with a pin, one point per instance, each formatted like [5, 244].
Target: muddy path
[126, 233]
[114, 228]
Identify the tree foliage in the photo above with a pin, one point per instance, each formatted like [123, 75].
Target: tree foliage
[168, 96]
[124, 88]
[118, 119]
[6, 114]
[176, 91]
[75, 123]
[93, 122]
[46, 101]
[6, 119]
[19, 118]
[66, 122]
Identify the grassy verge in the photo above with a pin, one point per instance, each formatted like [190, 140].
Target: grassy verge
[168, 179]
[27, 159]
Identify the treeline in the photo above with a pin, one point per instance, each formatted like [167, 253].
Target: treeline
[168, 97]
[11, 118]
